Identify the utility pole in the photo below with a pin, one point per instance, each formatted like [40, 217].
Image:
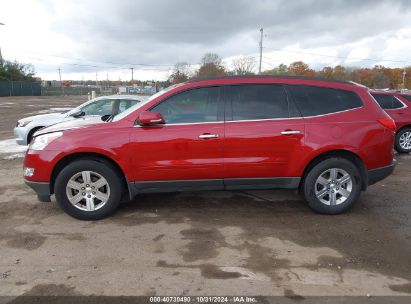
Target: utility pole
[404, 75]
[261, 50]
[132, 74]
[1, 57]
[82, 85]
[61, 84]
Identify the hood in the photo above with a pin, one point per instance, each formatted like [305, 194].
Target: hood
[42, 116]
[71, 124]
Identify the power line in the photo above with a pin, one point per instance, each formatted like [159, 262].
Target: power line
[104, 62]
[340, 57]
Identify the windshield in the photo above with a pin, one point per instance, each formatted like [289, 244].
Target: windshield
[135, 107]
[78, 108]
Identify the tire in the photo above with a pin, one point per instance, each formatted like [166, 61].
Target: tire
[345, 193]
[93, 202]
[403, 141]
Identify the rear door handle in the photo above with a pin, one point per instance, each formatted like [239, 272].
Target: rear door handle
[208, 136]
[290, 132]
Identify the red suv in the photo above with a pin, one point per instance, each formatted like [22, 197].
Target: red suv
[398, 107]
[329, 139]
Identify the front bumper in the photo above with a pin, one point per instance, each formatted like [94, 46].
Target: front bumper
[376, 175]
[20, 135]
[42, 190]
[42, 162]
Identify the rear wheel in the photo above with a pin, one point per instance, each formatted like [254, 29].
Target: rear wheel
[332, 186]
[403, 141]
[88, 189]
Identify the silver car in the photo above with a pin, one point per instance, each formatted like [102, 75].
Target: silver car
[101, 106]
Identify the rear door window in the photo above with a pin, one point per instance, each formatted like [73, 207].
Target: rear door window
[314, 101]
[388, 102]
[256, 102]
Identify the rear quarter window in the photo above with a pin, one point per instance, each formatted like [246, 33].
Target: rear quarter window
[388, 102]
[314, 101]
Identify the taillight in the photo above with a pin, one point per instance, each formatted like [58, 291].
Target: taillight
[388, 123]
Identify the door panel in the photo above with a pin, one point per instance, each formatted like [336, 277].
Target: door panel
[190, 144]
[258, 149]
[177, 152]
[260, 140]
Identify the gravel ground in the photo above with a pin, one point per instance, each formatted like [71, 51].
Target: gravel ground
[205, 243]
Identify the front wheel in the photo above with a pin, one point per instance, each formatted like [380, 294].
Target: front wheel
[88, 189]
[403, 141]
[332, 186]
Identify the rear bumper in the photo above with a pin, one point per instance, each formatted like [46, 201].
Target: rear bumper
[376, 175]
[42, 190]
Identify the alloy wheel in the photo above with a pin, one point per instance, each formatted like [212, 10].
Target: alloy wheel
[88, 190]
[333, 186]
[405, 140]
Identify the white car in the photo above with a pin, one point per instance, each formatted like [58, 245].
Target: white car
[101, 106]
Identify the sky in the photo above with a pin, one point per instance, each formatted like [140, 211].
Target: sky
[105, 39]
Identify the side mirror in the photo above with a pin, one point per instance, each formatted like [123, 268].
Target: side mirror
[78, 114]
[150, 119]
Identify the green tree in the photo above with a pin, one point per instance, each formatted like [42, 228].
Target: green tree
[282, 69]
[16, 71]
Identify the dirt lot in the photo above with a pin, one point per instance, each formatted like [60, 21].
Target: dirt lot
[208, 243]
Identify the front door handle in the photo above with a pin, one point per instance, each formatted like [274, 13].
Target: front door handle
[290, 132]
[208, 136]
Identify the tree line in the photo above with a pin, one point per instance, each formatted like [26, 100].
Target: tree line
[377, 77]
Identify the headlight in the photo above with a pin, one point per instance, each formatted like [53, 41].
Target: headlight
[41, 141]
[23, 123]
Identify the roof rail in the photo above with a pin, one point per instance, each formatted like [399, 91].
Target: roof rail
[272, 76]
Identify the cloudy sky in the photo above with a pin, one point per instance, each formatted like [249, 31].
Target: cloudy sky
[109, 37]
